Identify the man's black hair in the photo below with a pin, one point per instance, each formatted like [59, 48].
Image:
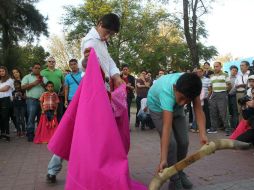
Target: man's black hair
[111, 22]
[36, 64]
[49, 82]
[246, 63]
[207, 63]
[125, 65]
[233, 67]
[73, 60]
[189, 84]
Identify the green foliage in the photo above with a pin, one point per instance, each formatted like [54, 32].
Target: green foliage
[19, 20]
[150, 38]
[25, 57]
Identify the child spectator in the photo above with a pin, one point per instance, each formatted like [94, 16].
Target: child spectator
[19, 107]
[48, 121]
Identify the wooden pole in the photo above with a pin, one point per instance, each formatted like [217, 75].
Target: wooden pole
[160, 178]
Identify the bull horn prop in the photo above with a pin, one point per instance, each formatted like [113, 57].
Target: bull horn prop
[160, 178]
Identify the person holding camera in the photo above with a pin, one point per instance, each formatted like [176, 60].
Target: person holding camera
[241, 84]
[34, 85]
[245, 130]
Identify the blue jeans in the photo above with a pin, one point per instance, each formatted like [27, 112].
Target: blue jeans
[33, 110]
[55, 165]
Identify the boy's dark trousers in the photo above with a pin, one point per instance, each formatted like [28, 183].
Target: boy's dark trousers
[19, 113]
[179, 140]
[5, 104]
[207, 113]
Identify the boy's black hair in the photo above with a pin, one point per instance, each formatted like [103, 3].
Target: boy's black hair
[73, 60]
[17, 82]
[189, 84]
[49, 82]
[233, 67]
[110, 21]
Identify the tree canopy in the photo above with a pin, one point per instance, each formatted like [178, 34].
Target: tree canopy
[19, 21]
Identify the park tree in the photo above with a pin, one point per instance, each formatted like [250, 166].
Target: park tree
[225, 58]
[19, 21]
[63, 50]
[194, 29]
[26, 56]
[140, 42]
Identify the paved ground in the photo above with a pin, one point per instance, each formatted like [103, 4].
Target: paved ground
[23, 165]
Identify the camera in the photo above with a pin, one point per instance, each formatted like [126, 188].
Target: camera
[242, 101]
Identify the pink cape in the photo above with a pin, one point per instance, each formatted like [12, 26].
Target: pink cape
[95, 143]
[45, 129]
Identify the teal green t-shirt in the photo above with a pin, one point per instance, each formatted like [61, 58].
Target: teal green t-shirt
[161, 95]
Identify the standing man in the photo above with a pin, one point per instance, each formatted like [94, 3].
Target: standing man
[232, 103]
[56, 76]
[142, 87]
[206, 86]
[72, 81]
[207, 70]
[130, 86]
[218, 102]
[241, 84]
[34, 85]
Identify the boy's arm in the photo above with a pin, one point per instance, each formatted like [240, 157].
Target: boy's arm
[165, 138]
[200, 118]
[41, 103]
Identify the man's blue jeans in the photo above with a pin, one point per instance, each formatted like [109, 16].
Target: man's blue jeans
[33, 110]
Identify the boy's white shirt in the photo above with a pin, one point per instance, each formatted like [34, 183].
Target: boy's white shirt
[93, 40]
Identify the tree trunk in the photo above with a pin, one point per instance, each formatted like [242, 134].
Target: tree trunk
[191, 38]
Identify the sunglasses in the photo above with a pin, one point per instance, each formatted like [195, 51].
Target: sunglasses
[51, 61]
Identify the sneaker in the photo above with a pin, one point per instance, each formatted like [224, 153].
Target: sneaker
[193, 130]
[186, 183]
[51, 178]
[176, 184]
[209, 131]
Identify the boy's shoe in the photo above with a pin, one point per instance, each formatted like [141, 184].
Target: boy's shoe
[176, 184]
[186, 183]
[209, 131]
[51, 178]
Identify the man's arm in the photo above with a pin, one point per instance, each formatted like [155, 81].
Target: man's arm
[66, 92]
[165, 138]
[200, 118]
[30, 85]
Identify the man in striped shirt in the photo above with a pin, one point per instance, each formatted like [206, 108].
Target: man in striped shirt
[218, 103]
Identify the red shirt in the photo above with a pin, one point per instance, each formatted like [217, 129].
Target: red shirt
[49, 100]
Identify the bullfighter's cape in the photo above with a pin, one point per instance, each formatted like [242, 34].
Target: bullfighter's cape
[95, 143]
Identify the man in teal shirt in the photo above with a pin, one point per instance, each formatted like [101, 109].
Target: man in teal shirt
[56, 76]
[34, 85]
[165, 101]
